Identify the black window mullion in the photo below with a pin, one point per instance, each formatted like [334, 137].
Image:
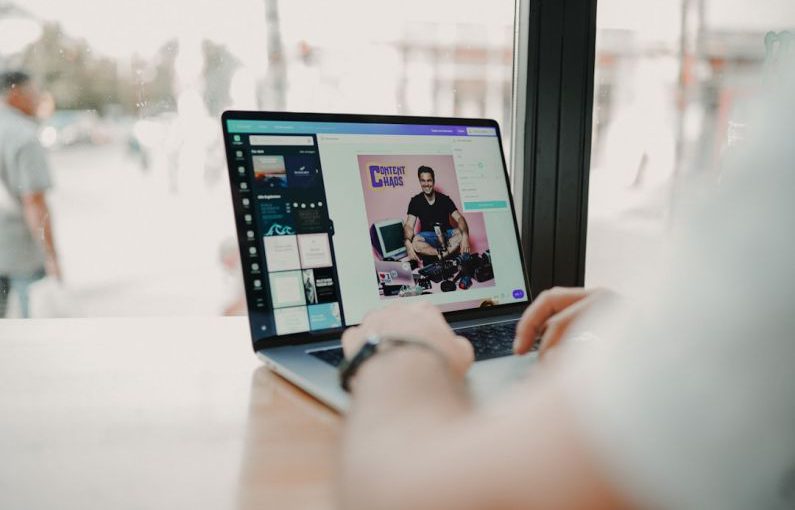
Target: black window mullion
[557, 140]
[574, 156]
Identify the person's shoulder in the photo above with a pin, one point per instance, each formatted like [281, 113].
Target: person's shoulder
[444, 198]
[17, 128]
[416, 198]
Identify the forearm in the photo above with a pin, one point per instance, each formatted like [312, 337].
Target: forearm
[430, 394]
[37, 219]
[391, 426]
[408, 235]
[463, 227]
[524, 451]
[412, 439]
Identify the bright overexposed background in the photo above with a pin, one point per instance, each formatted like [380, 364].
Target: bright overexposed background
[673, 83]
[141, 204]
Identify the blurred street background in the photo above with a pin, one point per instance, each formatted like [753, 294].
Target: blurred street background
[141, 202]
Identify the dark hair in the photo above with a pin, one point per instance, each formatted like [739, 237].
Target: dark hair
[11, 79]
[426, 170]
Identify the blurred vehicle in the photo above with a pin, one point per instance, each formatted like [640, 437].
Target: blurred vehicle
[65, 128]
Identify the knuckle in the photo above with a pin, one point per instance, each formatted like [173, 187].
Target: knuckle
[554, 324]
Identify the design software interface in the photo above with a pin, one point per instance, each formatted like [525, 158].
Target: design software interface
[337, 219]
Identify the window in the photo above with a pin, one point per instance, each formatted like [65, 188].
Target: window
[141, 209]
[671, 83]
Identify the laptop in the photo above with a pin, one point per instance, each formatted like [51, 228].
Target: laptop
[338, 215]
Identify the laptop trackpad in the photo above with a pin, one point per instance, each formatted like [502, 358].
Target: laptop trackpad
[489, 378]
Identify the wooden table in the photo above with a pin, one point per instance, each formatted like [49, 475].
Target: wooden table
[154, 413]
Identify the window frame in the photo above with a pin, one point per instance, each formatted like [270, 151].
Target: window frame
[555, 43]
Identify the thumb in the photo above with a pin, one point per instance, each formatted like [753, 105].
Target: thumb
[466, 352]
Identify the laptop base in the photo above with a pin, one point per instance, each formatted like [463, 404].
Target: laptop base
[320, 379]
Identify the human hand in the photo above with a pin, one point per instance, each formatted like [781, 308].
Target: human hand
[412, 255]
[418, 321]
[465, 243]
[550, 316]
[53, 268]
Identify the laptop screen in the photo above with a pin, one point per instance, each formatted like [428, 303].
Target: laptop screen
[339, 218]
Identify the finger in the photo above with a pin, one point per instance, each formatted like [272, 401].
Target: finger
[435, 311]
[545, 306]
[558, 326]
[349, 340]
[467, 349]
[551, 337]
[532, 321]
[465, 355]
[376, 315]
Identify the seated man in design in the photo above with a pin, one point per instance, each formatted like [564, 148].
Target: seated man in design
[433, 208]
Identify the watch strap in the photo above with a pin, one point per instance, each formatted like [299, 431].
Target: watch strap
[373, 345]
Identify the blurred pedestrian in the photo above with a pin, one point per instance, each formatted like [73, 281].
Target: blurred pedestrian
[27, 250]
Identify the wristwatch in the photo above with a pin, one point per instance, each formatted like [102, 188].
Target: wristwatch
[373, 345]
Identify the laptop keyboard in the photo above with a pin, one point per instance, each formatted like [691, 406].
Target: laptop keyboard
[490, 341]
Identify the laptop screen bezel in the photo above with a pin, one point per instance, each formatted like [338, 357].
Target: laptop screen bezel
[310, 337]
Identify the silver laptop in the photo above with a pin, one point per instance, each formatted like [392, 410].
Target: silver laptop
[338, 215]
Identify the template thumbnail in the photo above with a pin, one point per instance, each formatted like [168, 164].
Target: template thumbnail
[270, 172]
[281, 253]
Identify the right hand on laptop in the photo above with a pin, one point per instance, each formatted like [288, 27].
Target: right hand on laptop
[419, 322]
[412, 255]
[550, 316]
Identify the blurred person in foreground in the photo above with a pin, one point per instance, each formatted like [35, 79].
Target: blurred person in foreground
[27, 250]
[685, 400]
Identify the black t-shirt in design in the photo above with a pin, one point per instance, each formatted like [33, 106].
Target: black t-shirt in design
[430, 214]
